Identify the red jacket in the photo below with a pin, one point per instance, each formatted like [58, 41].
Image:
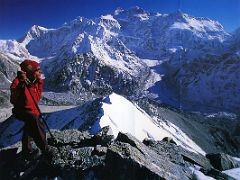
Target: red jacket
[21, 98]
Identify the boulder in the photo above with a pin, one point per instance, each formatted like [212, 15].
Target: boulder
[71, 137]
[104, 136]
[178, 154]
[125, 162]
[169, 140]
[143, 158]
[222, 161]
[216, 174]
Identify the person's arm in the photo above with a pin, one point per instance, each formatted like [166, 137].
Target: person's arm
[17, 86]
[16, 89]
[40, 89]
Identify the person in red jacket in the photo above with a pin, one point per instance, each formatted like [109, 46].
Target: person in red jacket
[25, 89]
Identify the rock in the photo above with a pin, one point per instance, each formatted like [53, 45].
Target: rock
[126, 162]
[78, 155]
[71, 137]
[222, 161]
[128, 138]
[216, 174]
[104, 136]
[105, 131]
[99, 150]
[236, 131]
[8, 162]
[169, 140]
[179, 155]
[148, 142]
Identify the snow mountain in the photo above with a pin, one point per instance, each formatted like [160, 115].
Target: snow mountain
[134, 53]
[148, 35]
[136, 72]
[209, 83]
[234, 42]
[155, 35]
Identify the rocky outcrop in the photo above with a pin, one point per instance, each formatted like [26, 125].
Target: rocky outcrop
[88, 75]
[222, 161]
[178, 154]
[79, 155]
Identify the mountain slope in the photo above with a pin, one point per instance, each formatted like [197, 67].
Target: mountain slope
[114, 111]
[114, 53]
[155, 35]
[210, 82]
[148, 35]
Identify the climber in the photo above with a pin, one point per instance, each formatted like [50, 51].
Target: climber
[26, 90]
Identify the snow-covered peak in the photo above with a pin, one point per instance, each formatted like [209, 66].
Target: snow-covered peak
[34, 32]
[149, 35]
[178, 16]
[109, 23]
[13, 49]
[122, 115]
[118, 11]
[114, 111]
[79, 21]
[199, 24]
[134, 12]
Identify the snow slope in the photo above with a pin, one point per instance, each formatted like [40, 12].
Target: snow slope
[122, 115]
[234, 173]
[14, 50]
[114, 111]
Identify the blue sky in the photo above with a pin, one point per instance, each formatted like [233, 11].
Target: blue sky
[17, 16]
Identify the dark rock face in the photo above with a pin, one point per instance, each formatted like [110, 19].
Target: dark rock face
[131, 163]
[87, 75]
[79, 155]
[217, 174]
[222, 161]
[177, 154]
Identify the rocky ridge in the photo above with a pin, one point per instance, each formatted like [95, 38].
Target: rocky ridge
[78, 154]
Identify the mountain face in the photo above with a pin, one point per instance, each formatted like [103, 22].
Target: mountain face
[8, 70]
[126, 73]
[116, 53]
[154, 36]
[234, 41]
[148, 35]
[211, 81]
[137, 53]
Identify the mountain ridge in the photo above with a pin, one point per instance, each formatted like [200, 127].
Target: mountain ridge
[119, 43]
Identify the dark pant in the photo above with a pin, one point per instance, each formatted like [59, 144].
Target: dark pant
[33, 129]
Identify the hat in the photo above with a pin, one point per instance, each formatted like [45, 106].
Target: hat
[29, 66]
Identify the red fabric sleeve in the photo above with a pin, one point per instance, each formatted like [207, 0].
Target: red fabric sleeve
[16, 88]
